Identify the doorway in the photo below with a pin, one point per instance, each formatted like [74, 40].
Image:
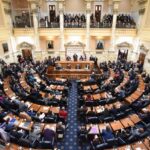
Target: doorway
[27, 54]
[52, 13]
[98, 13]
[122, 54]
[142, 58]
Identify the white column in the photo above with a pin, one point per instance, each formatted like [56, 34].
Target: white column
[61, 30]
[115, 4]
[9, 25]
[34, 10]
[110, 6]
[88, 14]
[36, 33]
[61, 20]
[87, 31]
[113, 32]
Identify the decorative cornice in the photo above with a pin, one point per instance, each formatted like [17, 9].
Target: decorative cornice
[141, 2]
[6, 1]
[142, 6]
[143, 49]
[116, 5]
[7, 6]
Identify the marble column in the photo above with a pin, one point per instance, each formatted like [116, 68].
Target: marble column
[35, 26]
[88, 14]
[61, 16]
[110, 6]
[9, 26]
[113, 32]
[115, 12]
[88, 31]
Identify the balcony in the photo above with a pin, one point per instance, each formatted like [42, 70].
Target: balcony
[23, 31]
[49, 31]
[126, 32]
[75, 31]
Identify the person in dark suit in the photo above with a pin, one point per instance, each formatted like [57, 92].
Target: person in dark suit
[48, 134]
[107, 134]
[75, 57]
[52, 14]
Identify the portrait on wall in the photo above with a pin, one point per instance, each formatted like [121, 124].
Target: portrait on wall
[100, 44]
[5, 47]
[50, 44]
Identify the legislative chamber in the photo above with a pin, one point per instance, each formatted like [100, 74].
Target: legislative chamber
[74, 75]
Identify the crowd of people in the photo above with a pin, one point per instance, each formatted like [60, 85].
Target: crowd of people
[77, 21]
[125, 21]
[97, 111]
[74, 21]
[106, 21]
[18, 107]
[45, 23]
[23, 21]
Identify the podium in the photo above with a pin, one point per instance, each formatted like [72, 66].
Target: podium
[85, 70]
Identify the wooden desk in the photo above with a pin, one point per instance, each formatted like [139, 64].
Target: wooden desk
[96, 96]
[44, 109]
[59, 97]
[139, 145]
[26, 125]
[135, 118]
[53, 87]
[55, 110]
[126, 122]
[116, 125]
[103, 126]
[85, 88]
[35, 107]
[146, 142]
[61, 79]
[73, 64]
[94, 87]
[60, 87]
[11, 116]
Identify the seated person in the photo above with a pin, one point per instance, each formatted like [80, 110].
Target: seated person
[78, 66]
[8, 125]
[4, 135]
[68, 66]
[96, 141]
[34, 133]
[60, 127]
[50, 114]
[91, 112]
[63, 113]
[83, 130]
[31, 113]
[135, 133]
[48, 134]
[92, 76]
[89, 97]
[107, 134]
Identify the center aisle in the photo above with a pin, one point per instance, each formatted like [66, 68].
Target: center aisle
[70, 138]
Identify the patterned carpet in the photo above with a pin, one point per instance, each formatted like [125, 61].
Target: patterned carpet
[70, 141]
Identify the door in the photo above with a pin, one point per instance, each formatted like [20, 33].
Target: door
[52, 13]
[122, 54]
[141, 58]
[98, 13]
[27, 54]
